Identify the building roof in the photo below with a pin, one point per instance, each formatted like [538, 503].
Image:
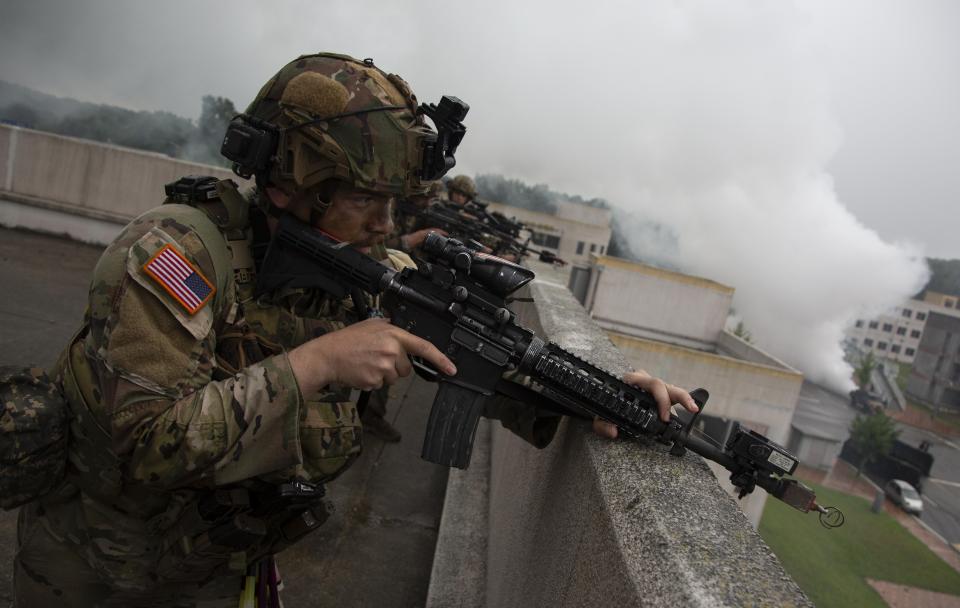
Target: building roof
[670, 275]
[822, 413]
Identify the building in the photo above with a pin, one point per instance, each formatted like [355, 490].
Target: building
[673, 326]
[573, 233]
[935, 377]
[896, 336]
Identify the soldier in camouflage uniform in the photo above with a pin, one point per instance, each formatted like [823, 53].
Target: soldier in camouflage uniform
[195, 404]
[409, 228]
[462, 189]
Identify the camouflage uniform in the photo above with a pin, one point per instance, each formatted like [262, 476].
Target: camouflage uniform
[167, 404]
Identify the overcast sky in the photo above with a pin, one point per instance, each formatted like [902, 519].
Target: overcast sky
[805, 153]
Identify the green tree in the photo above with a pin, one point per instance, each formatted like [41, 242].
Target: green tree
[872, 436]
[864, 370]
[215, 115]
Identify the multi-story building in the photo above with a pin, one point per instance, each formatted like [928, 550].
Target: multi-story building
[573, 233]
[896, 335]
[935, 376]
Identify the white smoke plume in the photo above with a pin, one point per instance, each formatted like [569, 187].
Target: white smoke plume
[716, 123]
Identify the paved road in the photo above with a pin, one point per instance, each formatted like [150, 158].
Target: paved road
[941, 492]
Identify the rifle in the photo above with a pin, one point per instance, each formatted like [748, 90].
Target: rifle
[457, 299]
[485, 228]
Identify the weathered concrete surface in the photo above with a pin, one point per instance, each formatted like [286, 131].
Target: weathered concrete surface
[377, 550]
[459, 576]
[589, 522]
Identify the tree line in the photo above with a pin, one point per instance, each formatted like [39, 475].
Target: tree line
[157, 131]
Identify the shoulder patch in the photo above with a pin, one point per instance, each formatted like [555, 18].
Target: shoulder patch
[180, 278]
[165, 268]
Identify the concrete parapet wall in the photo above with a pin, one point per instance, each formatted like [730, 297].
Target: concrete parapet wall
[590, 522]
[83, 178]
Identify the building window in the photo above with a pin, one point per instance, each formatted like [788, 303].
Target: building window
[921, 316]
[887, 327]
[901, 331]
[909, 352]
[546, 240]
[868, 342]
[579, 247]
[593, 247]
[859, 323]
[907, 313]
[874, 324]
[895, 348]
[601, 249]
[882, 345]
[914, 333]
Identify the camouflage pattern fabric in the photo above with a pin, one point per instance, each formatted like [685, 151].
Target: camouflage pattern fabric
[373, 138]
[158, 420]
[33, 435]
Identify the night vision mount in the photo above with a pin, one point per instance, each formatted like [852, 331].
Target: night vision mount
[447, 117]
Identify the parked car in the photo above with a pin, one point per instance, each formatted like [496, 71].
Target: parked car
[904, 495]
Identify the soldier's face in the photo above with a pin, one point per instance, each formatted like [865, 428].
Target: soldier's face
[459, 197]
[357, 216]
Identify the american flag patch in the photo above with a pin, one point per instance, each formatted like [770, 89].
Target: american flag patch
[180, 278]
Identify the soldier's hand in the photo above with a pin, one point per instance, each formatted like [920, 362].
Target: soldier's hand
[366, 355]
[665, 395]
[415, 239]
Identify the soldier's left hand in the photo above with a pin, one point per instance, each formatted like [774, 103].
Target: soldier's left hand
[666, 395]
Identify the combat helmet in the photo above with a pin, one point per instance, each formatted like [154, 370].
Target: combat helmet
[464, 185]
[329, 116]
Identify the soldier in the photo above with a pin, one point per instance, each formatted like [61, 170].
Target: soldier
[462, 190]
[409, 228]
[205, 416]
[199, 442]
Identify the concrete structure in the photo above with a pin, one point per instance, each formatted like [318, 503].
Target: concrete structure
[672, 325]
[820, 425]
[575, 232]
[647, 302]
[80, 188]
[935, 377]
[895, 336]
[590, 522]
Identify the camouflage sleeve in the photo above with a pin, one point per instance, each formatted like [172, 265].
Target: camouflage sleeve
[154, 358]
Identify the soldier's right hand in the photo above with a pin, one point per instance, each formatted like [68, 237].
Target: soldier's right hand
[365, 355]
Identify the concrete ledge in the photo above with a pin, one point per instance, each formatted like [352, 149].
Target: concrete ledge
[590, 522]
[39, 216]
[459, 575]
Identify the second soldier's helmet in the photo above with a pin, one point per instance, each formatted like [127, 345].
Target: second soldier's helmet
[345, 119]
[464, 185]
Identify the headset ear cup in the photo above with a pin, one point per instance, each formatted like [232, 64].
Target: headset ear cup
[251, 144]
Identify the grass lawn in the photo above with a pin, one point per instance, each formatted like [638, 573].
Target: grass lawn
[832, 566]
